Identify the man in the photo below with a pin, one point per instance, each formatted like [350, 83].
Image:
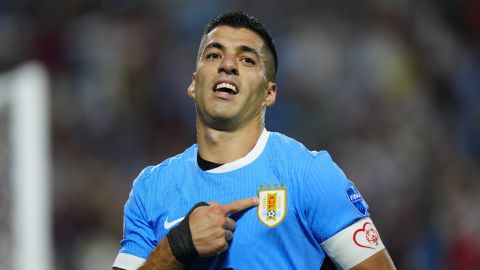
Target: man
[271, 203]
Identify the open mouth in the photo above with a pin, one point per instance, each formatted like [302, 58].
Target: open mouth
[226, 88]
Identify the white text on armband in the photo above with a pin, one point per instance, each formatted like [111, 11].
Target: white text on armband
[353, 244]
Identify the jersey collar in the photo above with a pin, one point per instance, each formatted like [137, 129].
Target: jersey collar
[247, 159]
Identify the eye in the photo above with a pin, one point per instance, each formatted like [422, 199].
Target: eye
[213, 56]
[249, 61]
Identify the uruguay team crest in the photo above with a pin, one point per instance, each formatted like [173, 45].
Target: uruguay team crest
[272, 207]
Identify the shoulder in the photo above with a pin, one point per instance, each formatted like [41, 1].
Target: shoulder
[283, 145]
[172, 164]
[292, 157]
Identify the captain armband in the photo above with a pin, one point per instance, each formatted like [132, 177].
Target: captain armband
[353, 244]
[180, 239]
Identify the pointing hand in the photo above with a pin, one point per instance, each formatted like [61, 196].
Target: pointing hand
[212, 228]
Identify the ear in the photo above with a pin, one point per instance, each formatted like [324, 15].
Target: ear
[270, 94]
[191, 87]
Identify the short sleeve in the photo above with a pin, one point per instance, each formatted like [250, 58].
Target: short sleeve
[138, 236]
[330, 201]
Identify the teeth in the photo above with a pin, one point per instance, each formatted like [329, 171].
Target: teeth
[226, 85]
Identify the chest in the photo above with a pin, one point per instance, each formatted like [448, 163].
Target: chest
[273, 229]
[276, 192]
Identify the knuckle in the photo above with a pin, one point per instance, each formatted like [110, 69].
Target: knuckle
[220, 233]
[222, 244]
[215, 209]
[199, 211]
[221, 222]
[214, 203]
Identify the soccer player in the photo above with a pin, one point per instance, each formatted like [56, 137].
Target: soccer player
[244, 197]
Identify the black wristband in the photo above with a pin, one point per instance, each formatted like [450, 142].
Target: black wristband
[180, 239]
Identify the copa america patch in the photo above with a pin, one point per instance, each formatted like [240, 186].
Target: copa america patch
[357, 200]
[272, 206]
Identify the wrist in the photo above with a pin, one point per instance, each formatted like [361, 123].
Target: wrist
[180, 239]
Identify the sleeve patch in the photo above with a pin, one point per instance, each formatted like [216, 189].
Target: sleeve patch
[354, 244]
[357, 200]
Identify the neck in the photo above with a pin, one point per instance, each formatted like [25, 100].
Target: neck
[221, 146]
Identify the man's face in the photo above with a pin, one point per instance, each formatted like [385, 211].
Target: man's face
[230, 87]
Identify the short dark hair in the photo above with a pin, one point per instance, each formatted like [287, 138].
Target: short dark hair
[238, 19]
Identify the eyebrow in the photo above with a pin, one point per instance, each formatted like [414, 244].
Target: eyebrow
[215, 45]
[242, 48]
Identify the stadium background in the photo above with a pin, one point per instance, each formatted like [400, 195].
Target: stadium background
[390, 88]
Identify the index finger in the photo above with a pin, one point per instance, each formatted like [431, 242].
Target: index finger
[240, 205]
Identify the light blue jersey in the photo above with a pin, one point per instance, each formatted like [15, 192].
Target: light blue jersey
[304, 200]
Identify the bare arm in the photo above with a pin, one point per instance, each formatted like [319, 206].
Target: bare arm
[161, 258]
[379, 261]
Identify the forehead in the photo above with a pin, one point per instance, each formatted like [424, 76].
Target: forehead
[229, 36]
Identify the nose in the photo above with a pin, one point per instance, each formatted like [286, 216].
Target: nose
[228, 65]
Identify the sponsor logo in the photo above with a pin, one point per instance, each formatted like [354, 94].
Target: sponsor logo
[357, 200]
[272, 207]
[167, 225]
[367, 237]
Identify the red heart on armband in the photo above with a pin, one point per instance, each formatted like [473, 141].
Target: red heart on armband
[367, 237]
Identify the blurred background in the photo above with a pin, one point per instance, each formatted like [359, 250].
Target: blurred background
[390, 88]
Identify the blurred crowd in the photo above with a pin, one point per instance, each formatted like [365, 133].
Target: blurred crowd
[390, 88]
